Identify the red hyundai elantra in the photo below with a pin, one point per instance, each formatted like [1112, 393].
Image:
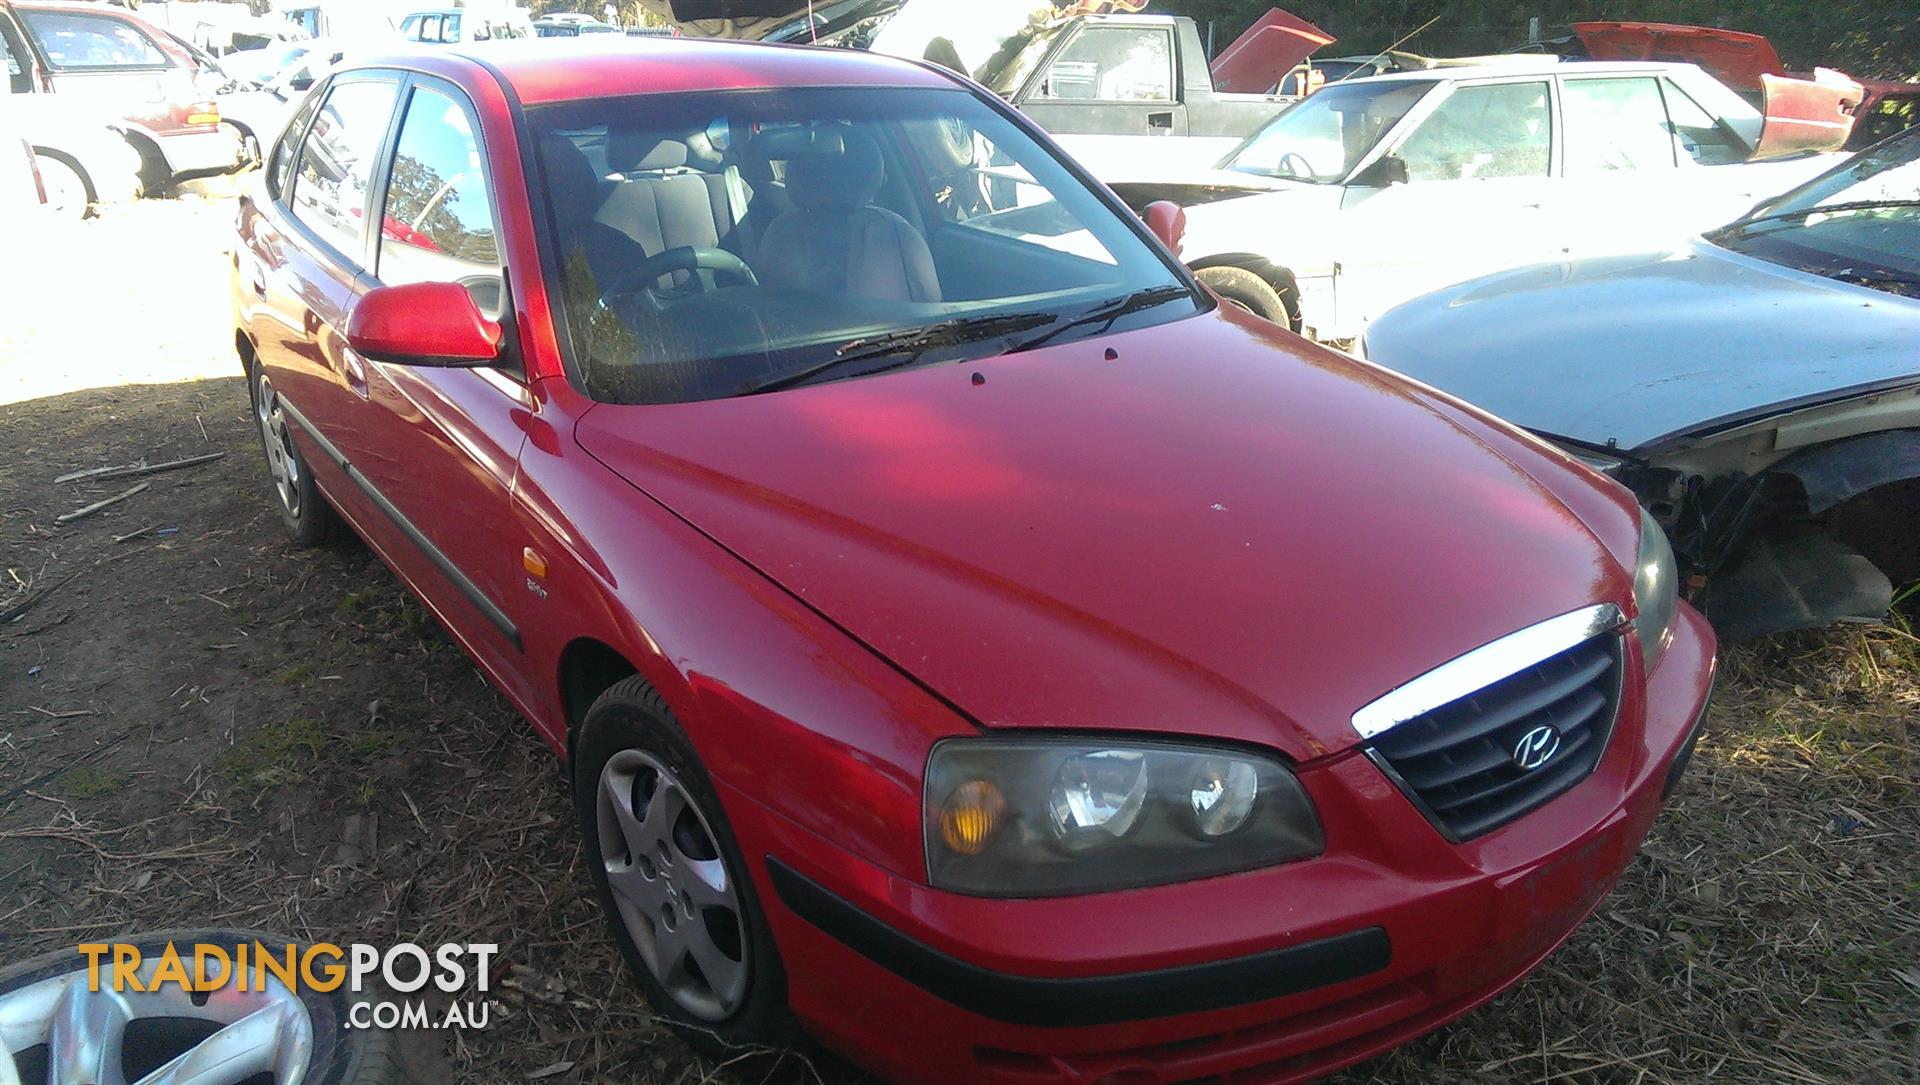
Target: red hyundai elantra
[966, 636]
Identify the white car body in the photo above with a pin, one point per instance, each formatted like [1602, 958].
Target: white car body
[76, 135]
[1358, 245]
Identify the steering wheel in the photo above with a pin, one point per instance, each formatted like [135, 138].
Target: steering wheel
[684, 258]
[1295, 165]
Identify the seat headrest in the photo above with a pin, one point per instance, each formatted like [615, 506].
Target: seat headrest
[574, 188]
[833, 171]
[634, 152]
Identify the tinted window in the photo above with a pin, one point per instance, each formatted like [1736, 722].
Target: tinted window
[1498, 130]
[281, 166]
[92, 41]
[438, 225]
[1701, 135]
[336, 162]
[1615, 124]
[1115, 64]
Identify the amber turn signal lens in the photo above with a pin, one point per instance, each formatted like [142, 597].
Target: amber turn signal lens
[970, 816]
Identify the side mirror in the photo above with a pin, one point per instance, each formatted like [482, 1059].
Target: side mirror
[1386, 170]
[433, 324]
[1168, 221]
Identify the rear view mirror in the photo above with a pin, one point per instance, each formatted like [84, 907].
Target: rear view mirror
[1385, 170]
[1168, 222]
[433, 324]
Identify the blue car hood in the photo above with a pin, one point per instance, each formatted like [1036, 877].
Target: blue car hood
[1641, 351]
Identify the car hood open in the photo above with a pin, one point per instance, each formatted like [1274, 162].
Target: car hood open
[1642, 351]
[1223, 531]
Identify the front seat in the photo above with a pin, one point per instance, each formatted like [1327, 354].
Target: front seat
[834, 241]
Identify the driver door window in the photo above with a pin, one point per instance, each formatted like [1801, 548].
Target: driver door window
[1479, 132]
[1114, 64]
[437, 222]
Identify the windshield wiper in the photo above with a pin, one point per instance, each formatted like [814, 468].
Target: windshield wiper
[1107, 312]
[1737, 228]
[905, 347]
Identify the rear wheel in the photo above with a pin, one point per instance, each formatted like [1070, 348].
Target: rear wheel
[1238, 286]
[671, 879]
[309, 519]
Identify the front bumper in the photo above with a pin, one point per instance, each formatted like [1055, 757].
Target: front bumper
[1275, 975]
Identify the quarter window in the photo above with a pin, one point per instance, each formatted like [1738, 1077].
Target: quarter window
[92, 41]
[1615, 124]
[438, 223]
[336, 163]
[1701, 135]
[1114, 64]
[1479, 132]
[280, 169]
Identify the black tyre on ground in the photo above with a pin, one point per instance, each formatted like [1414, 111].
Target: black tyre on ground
[1238, 286]
[309, 519]
[672, 881]
[238, 1036]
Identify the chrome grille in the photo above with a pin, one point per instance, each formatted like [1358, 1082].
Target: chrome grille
[1461, 762]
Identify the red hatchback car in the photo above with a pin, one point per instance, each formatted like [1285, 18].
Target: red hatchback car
[966, 636]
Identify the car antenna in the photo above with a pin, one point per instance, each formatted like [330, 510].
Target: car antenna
[1403, 40]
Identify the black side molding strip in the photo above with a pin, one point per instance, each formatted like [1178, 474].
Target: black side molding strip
[434, 554]
[1092, 1000]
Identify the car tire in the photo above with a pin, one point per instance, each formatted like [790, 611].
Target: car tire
[310, 520]
[629, 745]
[1238, 286]
[339, 1054]
[70, 192]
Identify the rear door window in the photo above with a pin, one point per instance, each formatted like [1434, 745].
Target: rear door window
[438, 221]
[72, 40]
[330, 185]
[1484, 131]
[1615, 124]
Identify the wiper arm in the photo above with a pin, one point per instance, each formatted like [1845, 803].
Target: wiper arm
[1741, 226]
[1109, 311]
[907, 345]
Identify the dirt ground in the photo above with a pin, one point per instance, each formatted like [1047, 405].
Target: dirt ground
[189, 737]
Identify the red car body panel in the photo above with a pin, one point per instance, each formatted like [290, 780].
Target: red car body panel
[1257, 60]
[823, 583]
[924, 486]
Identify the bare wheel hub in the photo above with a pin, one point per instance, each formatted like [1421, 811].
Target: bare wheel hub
[671, 886]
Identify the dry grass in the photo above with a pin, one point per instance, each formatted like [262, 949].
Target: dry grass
[208, 695]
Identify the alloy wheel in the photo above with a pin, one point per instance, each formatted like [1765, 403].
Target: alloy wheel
[221, 1037]
[676, 897]
[275, 435]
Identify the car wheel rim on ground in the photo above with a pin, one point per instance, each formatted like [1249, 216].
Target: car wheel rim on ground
[282, 461]
[93, 1036]
[675, 895]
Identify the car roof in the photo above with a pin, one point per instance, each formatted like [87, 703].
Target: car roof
[1526, 64]
[544, 70]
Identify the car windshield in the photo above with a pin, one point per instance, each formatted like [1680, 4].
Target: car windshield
[1859, 223]
[1323, 137]
[718, 244]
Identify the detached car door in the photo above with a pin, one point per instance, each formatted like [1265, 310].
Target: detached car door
[437, 447]
[1478, 165]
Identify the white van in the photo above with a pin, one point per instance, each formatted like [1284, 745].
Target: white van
[453, 26]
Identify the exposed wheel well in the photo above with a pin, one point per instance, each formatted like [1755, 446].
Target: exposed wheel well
[1280, 278]
[156, 174]
[588, 668]
[72, 163]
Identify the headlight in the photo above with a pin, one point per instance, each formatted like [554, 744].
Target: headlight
[1656, 590]
[1035, 817]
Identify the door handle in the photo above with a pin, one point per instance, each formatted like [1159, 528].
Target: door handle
[1160, 120]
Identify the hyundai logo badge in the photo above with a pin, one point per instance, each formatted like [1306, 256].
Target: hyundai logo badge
[1536, 748]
